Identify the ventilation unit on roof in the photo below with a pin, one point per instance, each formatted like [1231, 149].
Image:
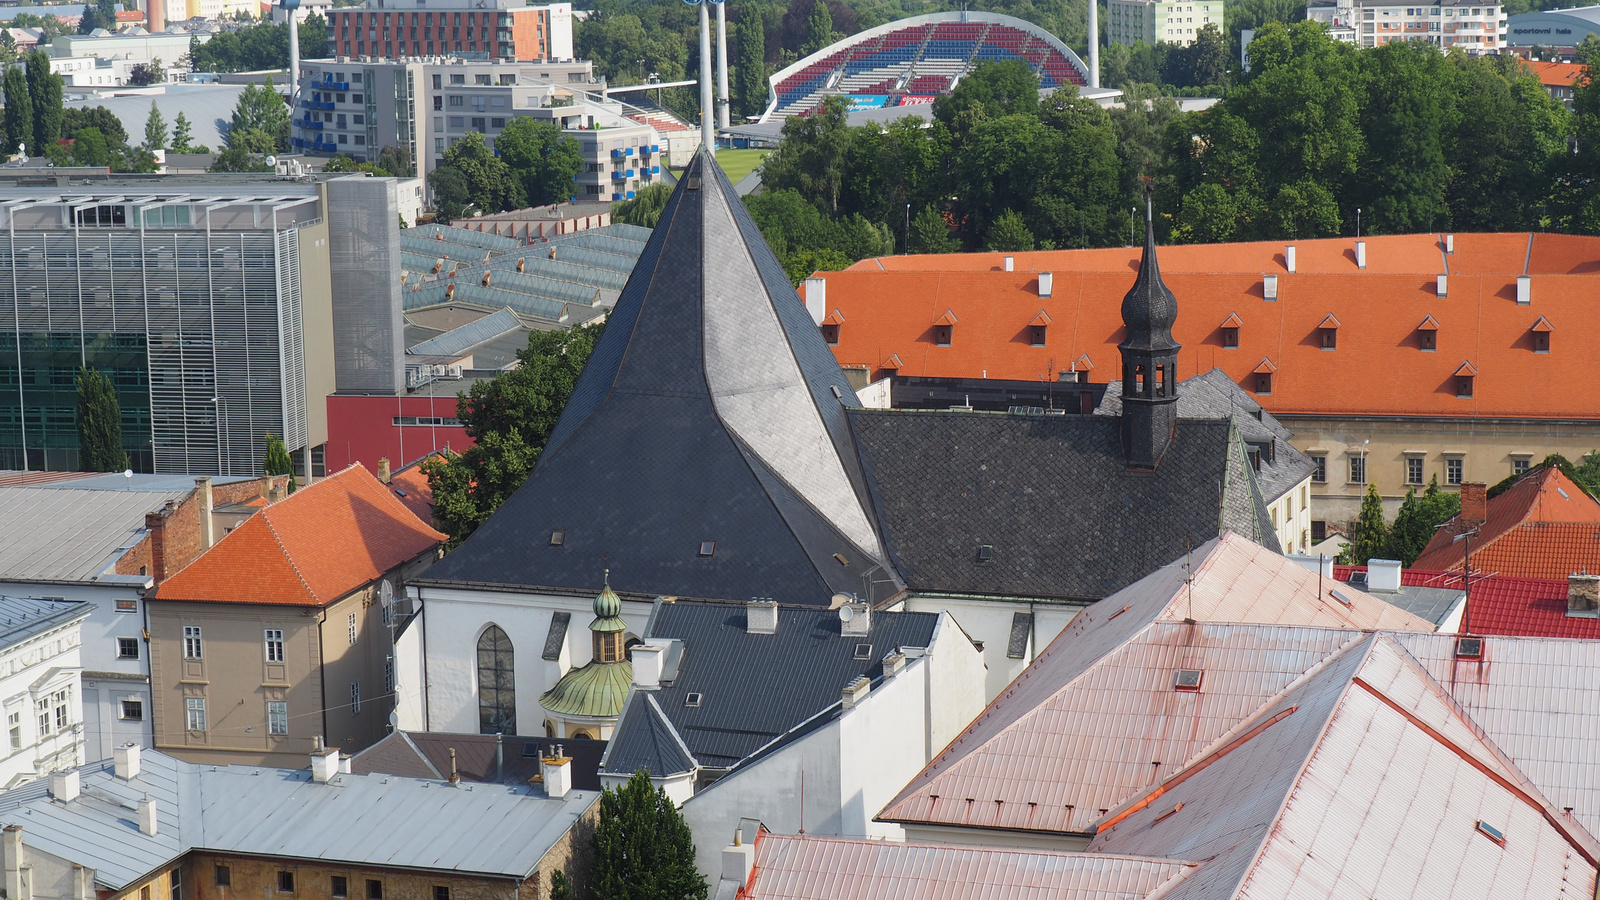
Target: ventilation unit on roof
[1469, 648]
[1187, 680]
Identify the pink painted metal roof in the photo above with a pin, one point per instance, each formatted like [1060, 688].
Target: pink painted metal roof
[810, 868]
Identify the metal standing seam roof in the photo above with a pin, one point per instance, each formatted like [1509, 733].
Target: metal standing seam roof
[799, 867]
[478, 829]
[481, 240]
[464, 338]
[23, 617]
[71, 534]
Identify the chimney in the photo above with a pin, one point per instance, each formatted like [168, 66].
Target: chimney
[11, 854]
[1524, 290]
[383, 469]
[126, 761]
[82, 883]
[1269, 287]
[344, 764]
[521, 263]
[1383, 574]
[155, 523]
[761, 617]
[1444, 286]
[1046, 283]
[455, 773]
[1583, 594]
[856, 691]
[1361, 254]
[499, 757]
[893, 663]
[1449, 243]
[855, 619]
[647, 665]
[557, 774]
[64, 786]
[324, 761]
[147, 816]
[737, 861]
[817, 299]
[1288, 257]
[1474, 505]
[486, 275]
[202, 492]
[155, 16]
[1011, 264]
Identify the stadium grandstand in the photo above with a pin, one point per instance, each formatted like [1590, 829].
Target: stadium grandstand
[911, 61]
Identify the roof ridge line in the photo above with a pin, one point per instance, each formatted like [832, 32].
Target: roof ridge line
[287, 557]
[672, 729]
[420, 755]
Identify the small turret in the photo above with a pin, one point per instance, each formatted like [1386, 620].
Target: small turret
[1149, 360]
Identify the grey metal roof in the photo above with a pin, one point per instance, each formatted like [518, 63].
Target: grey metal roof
[426, 754]
[23, 617]
[116, 481]
[68, 533]
[754, 689]
[466, 337]
[209, 108]
[354, 819]
[711, 410]
[1431, 603]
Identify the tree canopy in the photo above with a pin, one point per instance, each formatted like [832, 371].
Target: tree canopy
[264, 45]
[260, 122]
[543, 161]
[99, 424]
[643, 850]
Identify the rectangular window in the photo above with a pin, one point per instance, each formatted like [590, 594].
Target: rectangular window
[14, 725]
[224, 876]
[374, 889]
[1453, 470]
[477, 123]
[277, 717]
[441, 892]
[438, 103]
[127, 648]
[1319, 474]
[497, 123]
[1413, 470]
[340, 886]
[175, 883]
[1519, 465]
[195, 708]
[285, 882]
[127, 606]
[355, 698]
[133, 710]
[274, 643]
[457, 122]
[456, 101]
[352, 629]
[458, 79]
[1263, 383]
[1358, 470]
[59, 700]
[191, 642]
[41, 709]
[388, 674]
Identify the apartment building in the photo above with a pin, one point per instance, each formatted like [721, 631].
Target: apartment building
[358, 107]
[1166, 21]
[485, 29]
[1474, 29]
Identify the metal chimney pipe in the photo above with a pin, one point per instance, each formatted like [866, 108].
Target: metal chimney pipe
[455, 775]
[499, 757]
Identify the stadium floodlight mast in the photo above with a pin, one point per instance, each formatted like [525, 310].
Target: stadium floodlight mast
[712, 115]
[289, 7]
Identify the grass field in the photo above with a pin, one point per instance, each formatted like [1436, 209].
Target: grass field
[739, 163]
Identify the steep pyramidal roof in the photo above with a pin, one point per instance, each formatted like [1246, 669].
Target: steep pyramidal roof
[742, 478]
[1149, 309]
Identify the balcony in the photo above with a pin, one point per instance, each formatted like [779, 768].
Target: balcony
[616, 154]
[618, 176]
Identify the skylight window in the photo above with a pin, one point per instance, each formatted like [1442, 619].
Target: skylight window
[692, 700]
[1341, 597]
[558, 538]
[1492, 833]
[708, 548]
[985, 553]
[1187, 680]
[863, 651]
[1469, 648]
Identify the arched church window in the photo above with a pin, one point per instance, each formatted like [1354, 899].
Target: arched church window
[497, 693]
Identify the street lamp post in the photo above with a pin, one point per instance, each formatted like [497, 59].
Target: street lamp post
[221, 404]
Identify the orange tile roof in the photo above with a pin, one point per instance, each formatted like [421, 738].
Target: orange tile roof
[317, 545]
[1378, 368]
[1556, 74]
[413, 489]
[1544, 526]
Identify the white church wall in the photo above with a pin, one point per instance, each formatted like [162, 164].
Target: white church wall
[955, 691]
[989, 623]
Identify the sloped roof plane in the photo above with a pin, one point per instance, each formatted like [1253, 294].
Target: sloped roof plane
[1543, 526]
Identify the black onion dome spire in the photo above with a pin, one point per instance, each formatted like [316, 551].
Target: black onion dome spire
[1149, 309]
[1149, 360]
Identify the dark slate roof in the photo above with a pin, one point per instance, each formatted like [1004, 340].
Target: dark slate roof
[422, 754]
[1051, 496]
[754, 688]
[711, 410]
[1431, 603]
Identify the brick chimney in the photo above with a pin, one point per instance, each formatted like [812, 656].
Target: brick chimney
[1583, 594]
[156, 524]
[202, 494]
[383, 469]
[1474, 504]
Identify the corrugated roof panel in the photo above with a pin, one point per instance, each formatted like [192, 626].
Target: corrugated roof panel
[68, 534]
[460, 340]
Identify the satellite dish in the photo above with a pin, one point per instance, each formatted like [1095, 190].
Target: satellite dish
[386, 592]
[846, 613]
[272, 160]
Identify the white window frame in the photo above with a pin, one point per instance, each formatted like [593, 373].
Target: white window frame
[194, 709]
[193, 646]
[352, 629]
[278, 717]
[272, 639]
[355, 698]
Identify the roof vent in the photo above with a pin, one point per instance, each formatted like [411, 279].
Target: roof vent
[1469, 648]
[648, 661]
[1288, 257]
[1011, 263]
[558, 538]
[1444, 285]
[1269, 287]
[761, 617]
[1361, 254]
[1524, 289]
[1449, 243]
[1187, 680]
[64, 786]
[985, 553]
[126, 761]
[1583, 595]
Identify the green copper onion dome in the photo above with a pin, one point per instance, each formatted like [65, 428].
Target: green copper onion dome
[595, 691]
[608, 610]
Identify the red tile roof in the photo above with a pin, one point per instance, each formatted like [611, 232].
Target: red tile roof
[888, 305]
[1544, 526]
[317, 545]
[1525, 607]
[412, 487]
[1556, 74]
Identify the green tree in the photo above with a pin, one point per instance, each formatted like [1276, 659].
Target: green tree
[1504, 144]
[1009, 233]
[645, 208]
[931, 234]
[99, 424]
[810, 159]
[560, 887]
[155, 130]
[313, 37]
[541, 159]
[1403, 175]
[1577, 191]
[1371, 536]
[97, 117]
[44, 93]
[451, 193]
[19, 111]
[182, 135]
[490, 186]
[643, 848]
[993, 89]
[260, 121]
[236, 159]
[509, 418]
[1587, 472]
[750, 66]
[98, 14]
[8, 47]
[276, 461]
[90, 148]
[396, 160]
[819, 28]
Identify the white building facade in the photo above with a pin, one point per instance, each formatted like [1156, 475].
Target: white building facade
[40, 688]
[1160, 21]
[1473, 29]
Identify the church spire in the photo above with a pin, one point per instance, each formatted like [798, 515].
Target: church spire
[1149, 360]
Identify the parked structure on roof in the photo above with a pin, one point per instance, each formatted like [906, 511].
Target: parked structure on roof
[801, 719]
[713, 449]
[1287, 322]
[1543, 526]
[40, 677]
[282, 635]
[150, 823]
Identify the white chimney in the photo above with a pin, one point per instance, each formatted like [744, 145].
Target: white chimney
[855, 618]
[557, 774]
[344, 764]
[324, 762]
[1269, 287]
[1011, 263]
[125, 759]
[817, 299]
[147, 815]
[1047, 282]
[64, 786]
[1323, 564]
[1361, 254]
[761, 617]
[856, 691]
[1449, 243]
[647, 664]
[1383, 575]
[12, 854]
[737, 861]
[893, 663]
[1288, 257]
[1524, 290]
[1444, 285]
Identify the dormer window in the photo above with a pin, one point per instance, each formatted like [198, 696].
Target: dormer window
[893, 363]
[1541, 335]
[1263, 377]
[944, 328]
[1230, 330]
[830, 328]
[1427, 335]
[1465, 375]
[1036, 329]
[1328, 332]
